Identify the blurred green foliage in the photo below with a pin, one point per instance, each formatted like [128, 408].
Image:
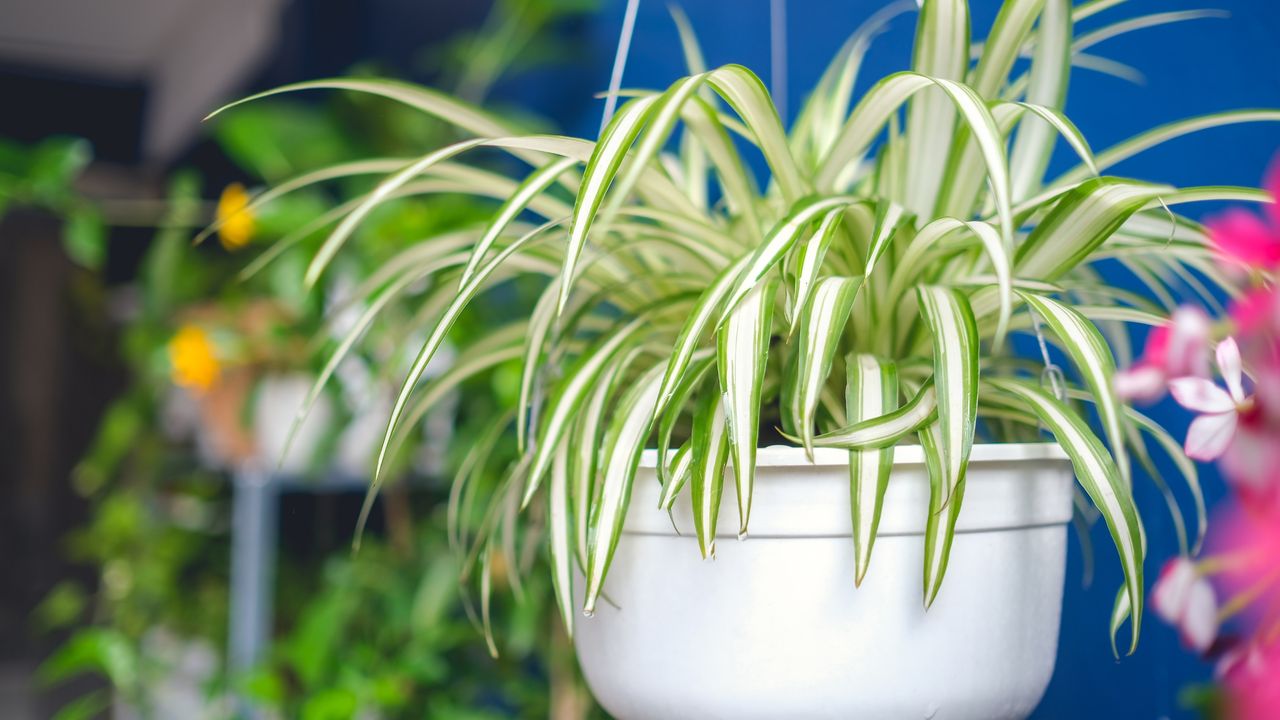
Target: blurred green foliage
[390, 631]
[42, 176]
[385, 631]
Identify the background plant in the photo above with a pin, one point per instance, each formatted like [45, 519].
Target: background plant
[202, 333]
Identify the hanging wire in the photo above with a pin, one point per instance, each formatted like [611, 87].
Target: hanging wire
[619, 62]
[778, 55]
[1052, 375]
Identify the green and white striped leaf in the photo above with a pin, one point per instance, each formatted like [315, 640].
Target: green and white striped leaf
[632, 422]
[566, 403]
[1008, 33]
[662, 119]
[1050, 71]
[870, 392]
[533, 186]
[599, 173]
[560, 535]
[889, 215]
[887, 429]
[869, 117]
[822, 324]
[1091, 355]
[941, 52]
[742, 349]
[809, 264]
[540, 323]
[710, 453]
[691, 332]
[826, 106]
[1100, 478]
[437, 338]
[1157, 136]
[586, 439]
[380, 194]
[947, 443]
[946, 492]
[779, 241]
[746, 94]
[1080, 222]
[677, 477]
[954, 330]
[1186, 467]
[676, 407]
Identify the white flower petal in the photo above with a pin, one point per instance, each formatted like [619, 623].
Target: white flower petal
[1210, 435]
[1201, 395]
[1169, 597]
[1230, 366]
[1199, 626]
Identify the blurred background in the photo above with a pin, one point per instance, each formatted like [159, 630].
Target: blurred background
[154, 557]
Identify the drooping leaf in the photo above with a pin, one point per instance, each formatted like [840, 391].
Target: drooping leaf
[630, 428]
[1100, 478]
[1090, 353]
[871, 391]
[560, 534]
[947, 443]
[822, 324]
[742, 348]
[887, 429]
[710, 453]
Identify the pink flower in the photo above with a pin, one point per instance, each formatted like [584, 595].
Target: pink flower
[1177, 349]
[1251, 675]
[1184, 599]
[1244, 237]
[1212, 432]
[1252, 463]
[1257, 311]
[1246, 562]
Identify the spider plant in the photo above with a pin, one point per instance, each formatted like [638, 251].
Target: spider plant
[861, 297]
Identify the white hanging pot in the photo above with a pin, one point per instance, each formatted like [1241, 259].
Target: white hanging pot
[773, 626]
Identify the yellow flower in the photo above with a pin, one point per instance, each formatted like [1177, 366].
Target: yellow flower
[192, 361]
[236, 223]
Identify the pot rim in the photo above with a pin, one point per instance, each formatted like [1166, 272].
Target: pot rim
[792, 456]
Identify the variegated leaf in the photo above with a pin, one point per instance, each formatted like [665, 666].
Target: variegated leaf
[742, 349]
[709, 455]
[871, 391]
[822, 325]
[632, 423]
[1100, 478]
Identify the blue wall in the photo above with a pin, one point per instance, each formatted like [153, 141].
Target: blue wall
[1191, 68]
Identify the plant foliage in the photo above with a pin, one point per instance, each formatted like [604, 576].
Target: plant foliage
[862, 296]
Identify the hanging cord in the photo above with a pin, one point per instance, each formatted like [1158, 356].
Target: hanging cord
[778, 56]
[619, 62]
[1052, 375]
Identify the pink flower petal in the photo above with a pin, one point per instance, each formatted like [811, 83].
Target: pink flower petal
[1244, 237]
[1253, 685]
[1145, 383]
[1187, 347]
[1201, 395]
[1228, 354]
[1252, 465]
[1157, 346]
[1256, 311]
[1210, 435]
[1271, 183]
